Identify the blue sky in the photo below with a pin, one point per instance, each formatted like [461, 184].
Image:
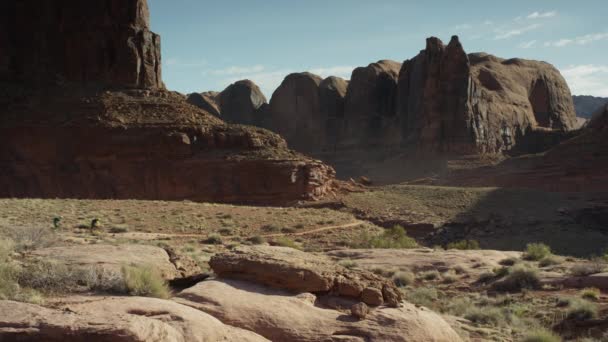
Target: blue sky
[207, 45]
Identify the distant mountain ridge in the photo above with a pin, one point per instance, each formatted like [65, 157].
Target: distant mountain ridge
[586, 105]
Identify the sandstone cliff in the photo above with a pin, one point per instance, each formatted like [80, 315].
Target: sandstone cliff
[84, 114]
[441, 101]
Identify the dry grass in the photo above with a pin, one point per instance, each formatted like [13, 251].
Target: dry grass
[144, 281]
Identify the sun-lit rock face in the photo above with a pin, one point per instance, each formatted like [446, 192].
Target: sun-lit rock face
[441, 101]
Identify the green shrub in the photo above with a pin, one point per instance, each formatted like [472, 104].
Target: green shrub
[270, 228]
[536, 251]
[429, 275]
[50, 277]
[501, 272]
[582, 310]
[213, 239]
[581, 270]
[403, 279]
[485, 315]
[519, 277]
[424, 296]
[590, 293]
[463, 245]
[563, 301]
[95, 223]
[549, 261]
[226, 231]
[144, 281]
[395, 237]
[350, 264]
[449, 277]
[286, 242]
[486, 277]
[541, 335]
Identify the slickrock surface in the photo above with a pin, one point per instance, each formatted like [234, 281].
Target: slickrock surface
[122, 319]
[281, 316]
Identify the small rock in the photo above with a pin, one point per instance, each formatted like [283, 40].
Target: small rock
[391, 296]
[359, 310]
[372, 296]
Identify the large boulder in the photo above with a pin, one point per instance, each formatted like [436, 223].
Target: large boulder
[457, 103]
[121, 319]
[297, 271]
[282, 316]
[242, 102]
[295, 111]
[104, 43]
[370, 105]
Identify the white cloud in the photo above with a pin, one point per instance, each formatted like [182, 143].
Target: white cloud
[488, 22]
[587, 79]
[506, 34]
[268, 79]
[527, 45]
[580, 40]
[540, 15]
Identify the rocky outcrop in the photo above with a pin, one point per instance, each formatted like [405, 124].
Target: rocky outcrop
[442, 101]
[207, 101]
[298, 271]
[111, 131]
[100, 43]
[112, 258]
[453, 102]
[370, 105]
[295, 111]
[121, 319]
[283, 316]
[243, 102]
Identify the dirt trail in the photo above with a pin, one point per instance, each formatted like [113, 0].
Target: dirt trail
[156, 236]
[316, 230]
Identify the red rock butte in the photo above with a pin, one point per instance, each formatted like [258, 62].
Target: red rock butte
[84, 114]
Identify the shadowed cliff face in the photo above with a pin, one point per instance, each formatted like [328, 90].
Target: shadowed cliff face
[101, 42]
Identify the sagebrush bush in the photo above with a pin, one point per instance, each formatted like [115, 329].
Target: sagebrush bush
[403, 279]
[449, 277]
[285, 242]
[519, 277]
[589, 268]
[429, 275]
[581, 309]
[424, 296]
[549, 261]
[591, 293]
[541, 335]
[485, 315]
[213, 239]
[30, 237]
[256, 240]
[348, 264]
[463, 245]
[144, 281]
[536, 251]
[395, 237]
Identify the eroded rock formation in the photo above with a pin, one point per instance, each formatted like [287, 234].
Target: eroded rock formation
[441, 101]
[242, 102]
[83, 114]
[207, 101]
